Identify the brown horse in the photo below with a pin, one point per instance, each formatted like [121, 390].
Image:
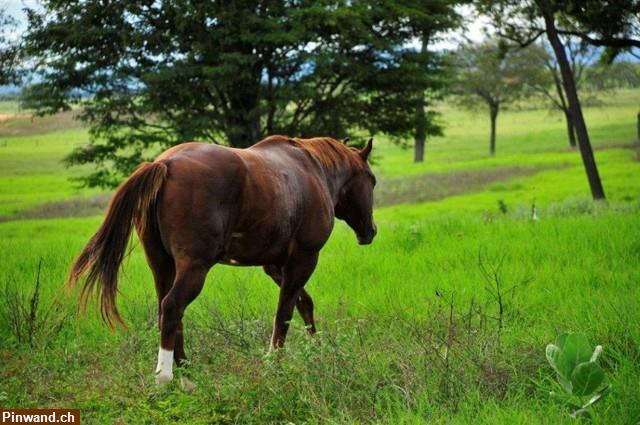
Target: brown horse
[271, 205]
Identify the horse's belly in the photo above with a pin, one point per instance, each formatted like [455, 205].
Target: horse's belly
[255, 250]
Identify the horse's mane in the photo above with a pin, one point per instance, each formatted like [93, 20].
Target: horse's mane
[331, 153]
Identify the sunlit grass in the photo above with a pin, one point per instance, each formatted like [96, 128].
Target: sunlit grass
[572, 271]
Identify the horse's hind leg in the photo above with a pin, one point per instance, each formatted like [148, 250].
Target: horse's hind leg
[304, 303]
[188, 283]
[164, 274]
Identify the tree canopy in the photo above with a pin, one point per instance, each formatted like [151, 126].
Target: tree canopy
[150, 74]
[491, 77]
[611, 24]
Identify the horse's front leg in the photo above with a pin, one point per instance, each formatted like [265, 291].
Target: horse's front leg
[295, 274]
[304, 303]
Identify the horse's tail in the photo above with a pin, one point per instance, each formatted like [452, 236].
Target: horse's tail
[133, 201]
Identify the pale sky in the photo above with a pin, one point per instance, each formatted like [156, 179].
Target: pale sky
[471, 30]
[14, 8]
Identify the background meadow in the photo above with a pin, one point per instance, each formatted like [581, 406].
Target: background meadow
[443, 319]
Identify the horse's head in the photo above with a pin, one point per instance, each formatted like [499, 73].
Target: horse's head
[355, 201]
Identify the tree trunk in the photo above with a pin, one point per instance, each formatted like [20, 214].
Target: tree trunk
[421, 131]
[242, 117]
[243, 121]
[493, 113]
[418, 151]
[571, 133]
[597, 191]
[421, 117]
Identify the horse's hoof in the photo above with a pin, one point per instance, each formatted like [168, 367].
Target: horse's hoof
[163, 380]
[187, 385]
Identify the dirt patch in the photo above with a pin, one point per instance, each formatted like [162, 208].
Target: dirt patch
[435, 186]
[26, 124]
[79, 207]
[618, 145]
[599, 147]
[413, 189]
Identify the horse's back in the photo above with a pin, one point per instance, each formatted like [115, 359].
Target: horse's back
[243, 205]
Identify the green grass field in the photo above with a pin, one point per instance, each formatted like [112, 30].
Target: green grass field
[410, 327]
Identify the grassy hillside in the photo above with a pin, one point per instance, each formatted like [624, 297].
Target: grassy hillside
[31, 153]
[444, 319]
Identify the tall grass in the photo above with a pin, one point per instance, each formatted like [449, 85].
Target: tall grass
[411, 327]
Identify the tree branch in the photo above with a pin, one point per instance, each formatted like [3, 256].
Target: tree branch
[603, 42]
[528, 41]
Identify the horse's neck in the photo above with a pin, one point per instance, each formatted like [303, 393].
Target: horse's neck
[335, 162]
[336, 178]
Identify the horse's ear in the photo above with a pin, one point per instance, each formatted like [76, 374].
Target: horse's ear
[346, 140]
[364, 153]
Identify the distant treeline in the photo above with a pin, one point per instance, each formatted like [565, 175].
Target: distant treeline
[618, 75]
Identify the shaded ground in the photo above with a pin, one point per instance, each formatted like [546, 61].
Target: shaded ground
[600, 147]
[435, 186]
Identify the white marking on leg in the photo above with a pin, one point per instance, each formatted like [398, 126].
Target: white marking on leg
[164, 369]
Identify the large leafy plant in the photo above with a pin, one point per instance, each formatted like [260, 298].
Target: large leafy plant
[578, 371]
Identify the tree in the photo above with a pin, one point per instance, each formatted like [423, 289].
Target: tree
[152, 73]
[489, 76]
[9, 51]
[430, 18]
[545, 79]
[598, 23]
[614, 25]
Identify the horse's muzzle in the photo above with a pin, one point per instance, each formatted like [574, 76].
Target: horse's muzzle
[367, 238]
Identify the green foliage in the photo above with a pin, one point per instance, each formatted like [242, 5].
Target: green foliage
[611, 25]
[577, 368]
[574, 363]
[488, 75]
[152, 74]
[614, 26]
